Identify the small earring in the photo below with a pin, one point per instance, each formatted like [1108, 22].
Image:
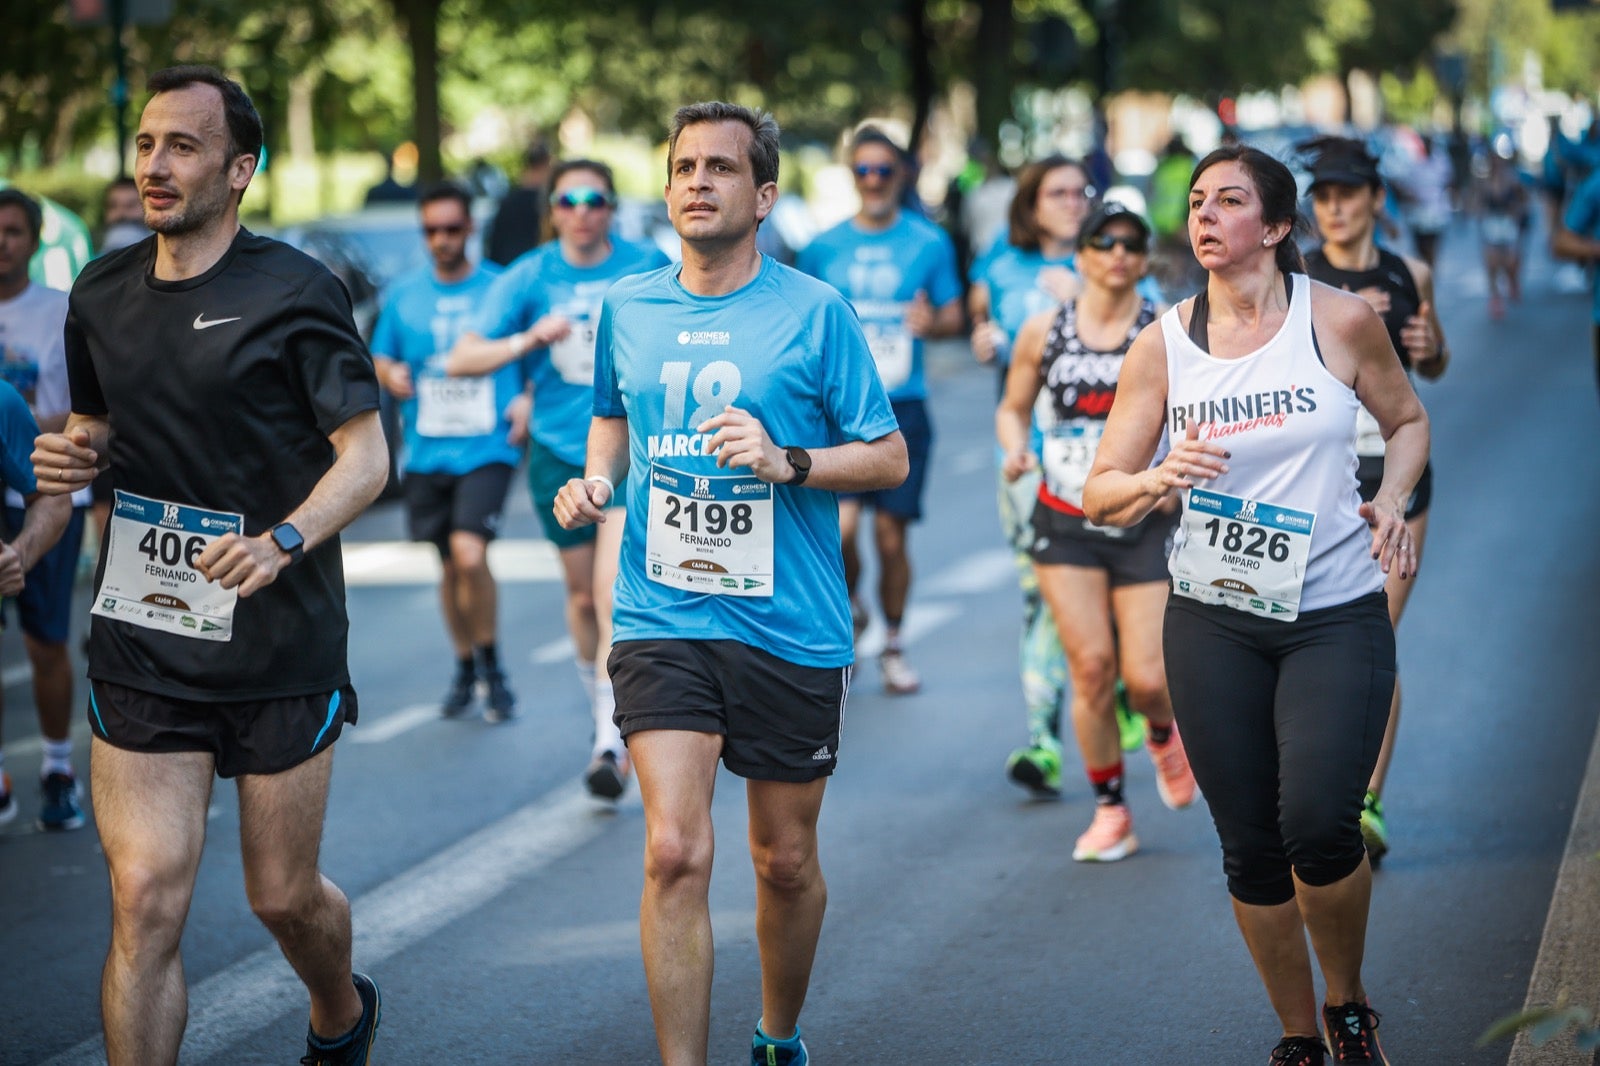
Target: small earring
[1266, 242]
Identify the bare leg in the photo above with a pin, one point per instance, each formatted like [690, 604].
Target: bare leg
[52, 686]
[1336, 917]
[280, 835]
[1399, 592]
[477, 599]
[677, 774]
[455, 624]
[1079, 599]
[791, 895]
[150, 811]
[577, 570]
[1139, 610]
[1276, 938]
[607, 553]
[894, 567]
[849, 523]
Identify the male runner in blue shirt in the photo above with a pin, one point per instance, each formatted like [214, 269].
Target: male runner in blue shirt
[742, 396]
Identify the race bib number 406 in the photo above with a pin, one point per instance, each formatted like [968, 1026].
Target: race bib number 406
[710, 534]
[1243, 554]
[152, 576]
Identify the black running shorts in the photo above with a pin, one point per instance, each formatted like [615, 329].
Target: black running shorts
[248, 737]
[779, 721]
[1061, 540]
[1369, 472]
[438, 505]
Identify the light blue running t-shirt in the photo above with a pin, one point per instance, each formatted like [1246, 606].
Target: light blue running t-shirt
[880, 272]
[713, 553]
[542, 282]
[452, 425]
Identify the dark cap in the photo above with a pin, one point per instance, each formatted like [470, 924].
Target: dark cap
[1341, 161]
[1107, 212]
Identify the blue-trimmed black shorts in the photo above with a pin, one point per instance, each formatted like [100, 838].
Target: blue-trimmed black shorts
[245, 737]
[779, 721]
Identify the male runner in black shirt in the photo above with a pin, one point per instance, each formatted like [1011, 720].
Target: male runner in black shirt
[220, 377]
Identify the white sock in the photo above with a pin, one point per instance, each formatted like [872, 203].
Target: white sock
[607, 737]
[586, 675]
[57, 758]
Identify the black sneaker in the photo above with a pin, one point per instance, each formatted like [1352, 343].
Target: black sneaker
[502, 703]
[355, 1047]
[1352, 1032]
[58, 803]
[1299, 1051]
[607, 775]
[458, 700]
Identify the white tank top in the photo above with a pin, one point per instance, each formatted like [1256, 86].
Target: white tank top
[1285, 513]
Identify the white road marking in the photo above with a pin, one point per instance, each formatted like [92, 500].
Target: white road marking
[987, 570]
[392, 725]
[399, 562]
[231, 1004]
[556, 651]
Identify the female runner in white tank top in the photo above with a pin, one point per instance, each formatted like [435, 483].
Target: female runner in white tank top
[1279, 650]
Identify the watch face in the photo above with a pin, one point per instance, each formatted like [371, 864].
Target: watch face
[287, 537]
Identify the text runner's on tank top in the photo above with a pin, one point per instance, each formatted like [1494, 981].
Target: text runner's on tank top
[1393, 277]
[1280, 532]
[1079, 385]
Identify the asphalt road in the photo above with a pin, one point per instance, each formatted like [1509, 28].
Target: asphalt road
[497, 905]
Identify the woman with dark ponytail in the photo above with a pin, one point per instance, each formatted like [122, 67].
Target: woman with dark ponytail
[1278, 645]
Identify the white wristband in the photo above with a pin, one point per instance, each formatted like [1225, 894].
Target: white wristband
[610, 488]
[518, 343]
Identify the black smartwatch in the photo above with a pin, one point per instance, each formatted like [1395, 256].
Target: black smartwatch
[288, 539]
[800, 459]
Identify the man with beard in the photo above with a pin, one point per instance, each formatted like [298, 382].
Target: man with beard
[246, 436]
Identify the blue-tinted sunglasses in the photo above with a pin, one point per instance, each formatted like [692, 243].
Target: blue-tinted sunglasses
[584, 197]
[874, 170]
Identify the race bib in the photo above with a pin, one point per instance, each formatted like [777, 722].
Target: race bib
[1243, 554]
[891, 346]
[1069, 449]
[710, 534]
[573, 355]
[1369, 435]
[456, 407]
[152, 578]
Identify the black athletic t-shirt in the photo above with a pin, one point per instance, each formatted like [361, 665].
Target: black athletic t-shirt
[1391, 275]
[221, 391]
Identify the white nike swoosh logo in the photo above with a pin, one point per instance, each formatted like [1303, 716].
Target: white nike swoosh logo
[201, 323]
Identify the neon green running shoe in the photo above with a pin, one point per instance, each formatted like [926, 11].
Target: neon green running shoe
[1130, 723]
[1373, 828]
[1036, 768]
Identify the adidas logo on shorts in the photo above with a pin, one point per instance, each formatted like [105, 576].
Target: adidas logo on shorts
[822, 754]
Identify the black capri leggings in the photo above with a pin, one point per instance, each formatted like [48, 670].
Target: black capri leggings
[1282, 722]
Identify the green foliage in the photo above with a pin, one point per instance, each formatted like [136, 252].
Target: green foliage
[1544, 1024]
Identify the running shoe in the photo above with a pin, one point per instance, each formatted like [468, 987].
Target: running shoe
[459, 698]
[1299, 1051]
[1174, 779]
[1109, 837]
[1374, 830]
[8, 802]
[501, 704]
[1036, 768]
[898, 677]
[607, 775]
[1130, 723]
[1352, 1032]
[766, 1051]
[58, 803]
[355, 1047]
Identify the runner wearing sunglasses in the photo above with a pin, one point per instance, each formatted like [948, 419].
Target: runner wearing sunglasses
[543, 310]
[1105, 587]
